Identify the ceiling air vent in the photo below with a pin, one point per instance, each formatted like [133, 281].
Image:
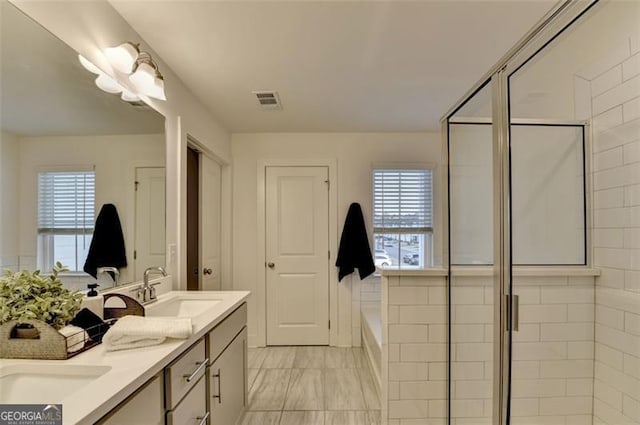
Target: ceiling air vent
[268, 99]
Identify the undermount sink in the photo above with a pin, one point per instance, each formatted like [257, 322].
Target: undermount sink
[44, 384]
[181, 306]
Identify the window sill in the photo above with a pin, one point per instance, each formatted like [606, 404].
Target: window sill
[473, 271]
[431, 271]
[533, 271]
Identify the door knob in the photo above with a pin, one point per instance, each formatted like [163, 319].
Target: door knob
[271, 265]
[207, 271]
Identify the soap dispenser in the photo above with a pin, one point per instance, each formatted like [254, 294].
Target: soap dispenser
[92, 290]
[94, 301]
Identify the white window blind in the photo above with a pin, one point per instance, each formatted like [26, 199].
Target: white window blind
[66, 202]
[403, 201]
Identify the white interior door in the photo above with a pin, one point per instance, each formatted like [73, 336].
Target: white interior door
[210, 208]
[150, 239]
[297, 249]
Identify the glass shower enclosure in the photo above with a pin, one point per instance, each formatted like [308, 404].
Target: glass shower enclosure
[543, 172]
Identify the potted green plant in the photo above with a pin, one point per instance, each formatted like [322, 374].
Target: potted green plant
[30, 295]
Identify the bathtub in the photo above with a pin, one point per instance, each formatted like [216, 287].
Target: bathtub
[371, 325]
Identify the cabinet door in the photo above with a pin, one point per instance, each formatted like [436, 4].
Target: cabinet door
[228, 382]
[144, 407]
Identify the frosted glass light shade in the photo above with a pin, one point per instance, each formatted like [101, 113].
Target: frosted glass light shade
[158, 90]
[88, 65]
[122, 57]
[108, 84]
[144, 78]
[129, 96]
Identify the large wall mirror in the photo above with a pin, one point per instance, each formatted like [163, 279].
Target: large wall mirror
[69, 153]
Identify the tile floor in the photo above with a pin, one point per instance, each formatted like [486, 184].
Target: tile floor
[310, 386]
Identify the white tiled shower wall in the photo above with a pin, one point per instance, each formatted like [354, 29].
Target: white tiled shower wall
[414, 351]
[615, 106]
[552, 357]
[552, 353]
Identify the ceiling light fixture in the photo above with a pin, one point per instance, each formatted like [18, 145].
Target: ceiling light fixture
[142, 70]
[129, 96]
[108, 84]
[123, 57]
[146, 77]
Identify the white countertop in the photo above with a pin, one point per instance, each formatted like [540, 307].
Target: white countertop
[129, 369]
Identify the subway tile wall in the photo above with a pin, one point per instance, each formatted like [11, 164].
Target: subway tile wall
[615, 100]
[552, 367]
[552, 352]
[414, 350]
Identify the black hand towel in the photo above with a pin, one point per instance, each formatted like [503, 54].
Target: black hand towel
[107, 244]
[91, 323]
[354, 246]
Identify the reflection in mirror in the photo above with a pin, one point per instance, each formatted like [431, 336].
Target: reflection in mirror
[471, 180]
[67, 149]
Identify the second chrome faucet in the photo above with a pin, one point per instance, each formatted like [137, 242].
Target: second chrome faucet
[146, 293]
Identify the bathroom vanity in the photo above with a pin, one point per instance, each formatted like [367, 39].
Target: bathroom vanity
[201, 380]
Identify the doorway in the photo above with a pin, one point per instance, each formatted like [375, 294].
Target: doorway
[193, 219]
[203, 221]
[297, 255]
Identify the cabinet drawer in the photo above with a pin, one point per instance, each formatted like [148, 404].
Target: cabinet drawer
[193, 409]
[224, 333]
[183, 373]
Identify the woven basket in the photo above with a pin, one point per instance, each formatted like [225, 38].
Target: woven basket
[50, 344]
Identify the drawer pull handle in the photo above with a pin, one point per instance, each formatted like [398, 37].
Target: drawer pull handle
[219, 395]
[203, 419]
[195, 373]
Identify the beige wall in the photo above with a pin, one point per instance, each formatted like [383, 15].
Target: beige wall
[9, 217]
[355, 154]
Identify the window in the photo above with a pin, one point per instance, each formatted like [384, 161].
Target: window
[66, 208]
[403, 217]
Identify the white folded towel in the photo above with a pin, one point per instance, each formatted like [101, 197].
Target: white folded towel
[137, 331]
[76, 337]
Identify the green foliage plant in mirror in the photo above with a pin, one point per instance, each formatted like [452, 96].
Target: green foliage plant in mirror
[30, 295]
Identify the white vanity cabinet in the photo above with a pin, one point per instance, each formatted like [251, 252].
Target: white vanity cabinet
[144, 407]
[206, 384]
[227, 373]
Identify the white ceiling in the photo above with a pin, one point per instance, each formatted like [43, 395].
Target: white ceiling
[46, 92]
[337, 65]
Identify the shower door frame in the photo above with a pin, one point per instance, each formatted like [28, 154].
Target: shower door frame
[560, 18]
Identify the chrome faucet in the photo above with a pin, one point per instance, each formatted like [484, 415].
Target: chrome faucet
[114, 270]
[148, 290]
